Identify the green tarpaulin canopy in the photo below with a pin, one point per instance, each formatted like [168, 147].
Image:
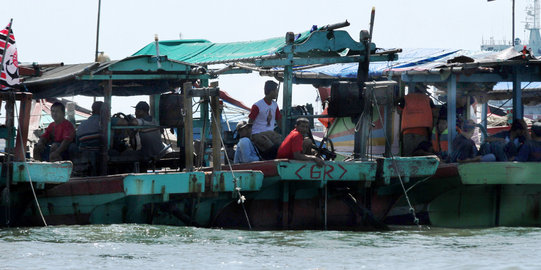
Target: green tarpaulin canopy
[205, 52]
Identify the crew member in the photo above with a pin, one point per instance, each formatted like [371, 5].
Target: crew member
[440, 135]
[295, 144]
[88, 133]
[263, 116]
[54, 143]
[246, 150]
[417, 121]
[151, 143]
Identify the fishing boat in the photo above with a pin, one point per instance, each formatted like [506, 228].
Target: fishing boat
[198, 190]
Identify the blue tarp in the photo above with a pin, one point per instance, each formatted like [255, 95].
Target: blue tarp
[417, 59]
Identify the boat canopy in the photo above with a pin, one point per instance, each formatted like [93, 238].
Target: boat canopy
[204, 52]
[134, 75]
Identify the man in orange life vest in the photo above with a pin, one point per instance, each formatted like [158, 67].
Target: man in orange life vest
[440, 135]
[417, 120]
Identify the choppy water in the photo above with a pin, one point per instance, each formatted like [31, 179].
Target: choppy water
[164, 247]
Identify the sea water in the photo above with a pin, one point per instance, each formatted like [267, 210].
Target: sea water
[139, 247]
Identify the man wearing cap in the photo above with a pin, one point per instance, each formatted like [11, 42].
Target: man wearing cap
[246, 151]
[531, 149]
[263, 116]
[151, 143]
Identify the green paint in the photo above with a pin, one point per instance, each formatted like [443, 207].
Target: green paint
[504, 173]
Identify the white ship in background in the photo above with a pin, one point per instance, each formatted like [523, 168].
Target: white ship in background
[531, 25]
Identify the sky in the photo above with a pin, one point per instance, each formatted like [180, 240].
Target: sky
[56, 31]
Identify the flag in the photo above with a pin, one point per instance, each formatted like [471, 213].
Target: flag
[9, 59]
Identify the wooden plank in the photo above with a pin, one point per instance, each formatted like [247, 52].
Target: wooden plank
[500, 173]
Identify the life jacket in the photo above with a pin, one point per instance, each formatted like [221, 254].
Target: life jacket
[417, 112]
[440, 141]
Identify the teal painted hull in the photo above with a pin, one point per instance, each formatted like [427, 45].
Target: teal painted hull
[475, 195]
[289, 195]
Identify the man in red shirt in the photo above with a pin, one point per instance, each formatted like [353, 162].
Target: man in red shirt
[59, 134]
[295, 144]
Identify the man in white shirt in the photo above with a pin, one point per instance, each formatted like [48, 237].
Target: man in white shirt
[263, 117]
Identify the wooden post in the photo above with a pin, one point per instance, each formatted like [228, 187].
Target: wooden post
[105, 118]
[451, 110]
[188, 126]
[518, 109]
[216, 129]
[24, 122]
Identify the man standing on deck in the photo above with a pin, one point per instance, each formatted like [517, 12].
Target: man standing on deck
[263, 116]
[296, 145]
[52, 144]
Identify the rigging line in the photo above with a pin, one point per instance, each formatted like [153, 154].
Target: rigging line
[523, 88]
[412, 209]
[237, 188]
[20, 138]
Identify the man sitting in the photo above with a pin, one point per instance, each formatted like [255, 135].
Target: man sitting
[531, 149]
[464, 148]
[151, 142]
[246, 150]
[505, 144]
[52, 144]
[295, 144]
[85, 154]
[88, 133]
[263, 115]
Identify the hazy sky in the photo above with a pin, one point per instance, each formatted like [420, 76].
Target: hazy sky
[65, 31]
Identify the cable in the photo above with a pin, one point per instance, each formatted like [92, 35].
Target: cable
[411, 209]
[237, 188]
[26, 167]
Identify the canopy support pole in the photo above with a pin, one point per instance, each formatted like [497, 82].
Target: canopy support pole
[484, 121]
[451, 110]
[105, 118]
[188, 126]
[216, 129]
[518, 109]
[286, 107]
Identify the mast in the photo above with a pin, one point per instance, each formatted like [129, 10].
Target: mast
[532, 25]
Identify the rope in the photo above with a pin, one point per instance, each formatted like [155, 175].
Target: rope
[242, 199]
[20, 138]
[411, 208]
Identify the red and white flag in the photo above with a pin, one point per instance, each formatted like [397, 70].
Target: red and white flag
[9, 59]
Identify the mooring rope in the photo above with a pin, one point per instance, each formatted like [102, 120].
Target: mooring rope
[411, 208]
[241, 199]
[20, 138]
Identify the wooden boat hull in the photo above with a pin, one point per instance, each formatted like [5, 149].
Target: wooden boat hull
[280, 194]
[473, 195]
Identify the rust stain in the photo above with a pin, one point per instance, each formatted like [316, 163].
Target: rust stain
[535, 212]
[138, 186]
[222, 182]
[193, 186]
[21, 170]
